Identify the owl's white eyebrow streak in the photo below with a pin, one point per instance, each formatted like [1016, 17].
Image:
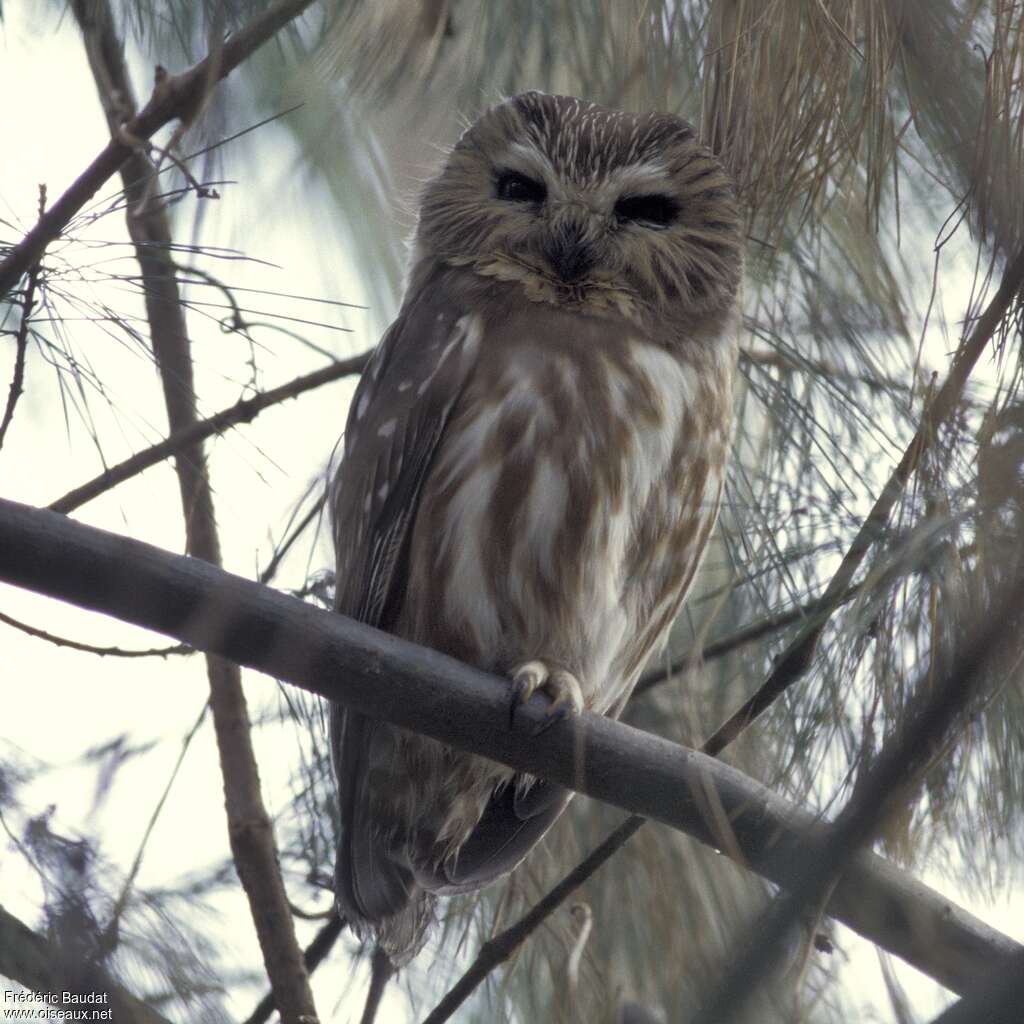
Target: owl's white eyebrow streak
[527, 158]
[633, 180]
[650, 174]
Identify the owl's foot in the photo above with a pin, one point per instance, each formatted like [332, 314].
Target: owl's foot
[558, 683]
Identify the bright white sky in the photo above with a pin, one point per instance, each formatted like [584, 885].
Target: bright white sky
[60, 703]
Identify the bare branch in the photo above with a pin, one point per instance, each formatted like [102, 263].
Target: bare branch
[250, 830]
[384, 677]
[314, 955]
[244, 411]
[175, 96]
[497, 950]
[997, 1002]
[21, 339]
[103, 652]
[285, 546]
[381, 972]
[748, 634]
[133, 872]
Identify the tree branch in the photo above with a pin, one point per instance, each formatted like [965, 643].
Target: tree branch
[250, 831]
[21, 338]
[498, 949]
[388, 678]
[381, 972]
[748, 634]
[175, 96]
[997, 1002]
[943, 695]
[30, 960]
[244, 411]
[103, 652]
[323, 942]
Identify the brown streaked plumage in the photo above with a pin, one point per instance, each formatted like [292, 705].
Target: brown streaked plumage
[532, 466]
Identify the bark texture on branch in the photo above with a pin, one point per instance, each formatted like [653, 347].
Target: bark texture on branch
[384, 677]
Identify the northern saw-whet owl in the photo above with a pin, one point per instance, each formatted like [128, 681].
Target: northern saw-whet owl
[532, 466]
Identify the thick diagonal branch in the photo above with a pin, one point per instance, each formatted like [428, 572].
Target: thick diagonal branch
[387, 678]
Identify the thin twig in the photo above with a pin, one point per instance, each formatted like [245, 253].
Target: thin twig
[21, 339]
[497, 950]
[300, 527]
[188, 436]
[122, 899]
[727, 644]
[103, 652]
[786, 362]
[176, 96]
[572, 968]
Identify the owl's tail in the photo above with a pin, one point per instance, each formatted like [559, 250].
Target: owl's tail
[380, 900]
[374, 887]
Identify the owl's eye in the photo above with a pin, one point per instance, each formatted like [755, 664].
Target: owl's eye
[518, 188]
[655, 210]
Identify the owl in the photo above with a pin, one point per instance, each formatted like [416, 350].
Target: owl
[531, 468]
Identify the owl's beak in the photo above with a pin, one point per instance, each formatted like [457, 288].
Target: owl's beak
[568, 252]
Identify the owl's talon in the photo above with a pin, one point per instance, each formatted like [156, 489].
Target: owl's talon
[559, 684]
[525, 681]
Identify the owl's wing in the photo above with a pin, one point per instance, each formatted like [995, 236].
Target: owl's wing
[397, 417]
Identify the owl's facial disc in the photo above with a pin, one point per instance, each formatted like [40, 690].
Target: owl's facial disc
[590, 208]
[572, 226]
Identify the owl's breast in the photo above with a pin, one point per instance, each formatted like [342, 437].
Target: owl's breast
[569, 501]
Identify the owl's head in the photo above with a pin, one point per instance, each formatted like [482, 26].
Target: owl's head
[585, 205]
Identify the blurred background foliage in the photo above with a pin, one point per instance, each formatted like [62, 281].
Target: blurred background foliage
[879, 150]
